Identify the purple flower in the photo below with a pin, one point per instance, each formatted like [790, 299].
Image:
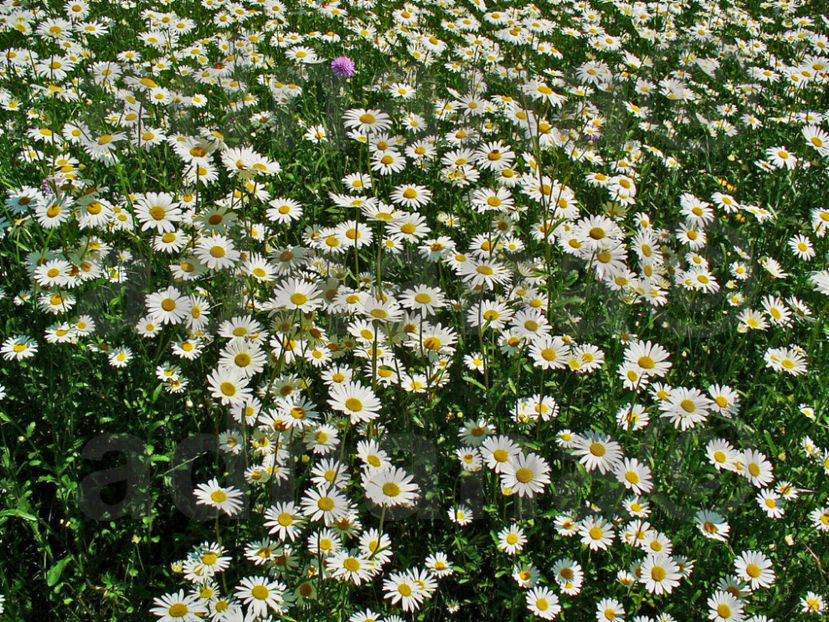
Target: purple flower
[342, 67]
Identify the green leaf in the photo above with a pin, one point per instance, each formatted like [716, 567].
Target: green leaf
[475, 382]
[19, 514]
[772, 446]
[157, 392]
[53, 574]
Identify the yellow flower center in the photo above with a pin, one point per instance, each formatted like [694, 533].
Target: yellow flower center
[179, 610]
[390, 489]
[259, 592]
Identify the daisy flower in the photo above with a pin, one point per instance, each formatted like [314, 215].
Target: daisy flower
[802, 247]
[511, 539]
[229, 386]
[328, 506]
[634, 475]
[543, 603]
[660, 574]
[243, 356]
[400, 588]
[283, 211]
[780, 157]
[597, 451]
[460, 515]
[179, 607]
[387, 162]
[157, 211]
[596, 533]
[168, 306]
[650, 359]
[358, 402]
[525, 475]
[609, 609]
[261, 594]
[498, 451]
[685, 408]
[349, 566]
[18, 347]
[754, 568]
[391, 487]
[120, 357]
[217, 252]
[296, 294]
[411, 196]
[227, 499]
[812, 603]
[723, 607]
[366, 121]
[712, 525]
[789, 360]
[439, 565]
[549, 352]
[284, 520]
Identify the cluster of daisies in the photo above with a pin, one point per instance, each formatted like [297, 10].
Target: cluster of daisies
[466, 197]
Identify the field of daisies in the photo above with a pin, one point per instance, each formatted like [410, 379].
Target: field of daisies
[384, 311]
